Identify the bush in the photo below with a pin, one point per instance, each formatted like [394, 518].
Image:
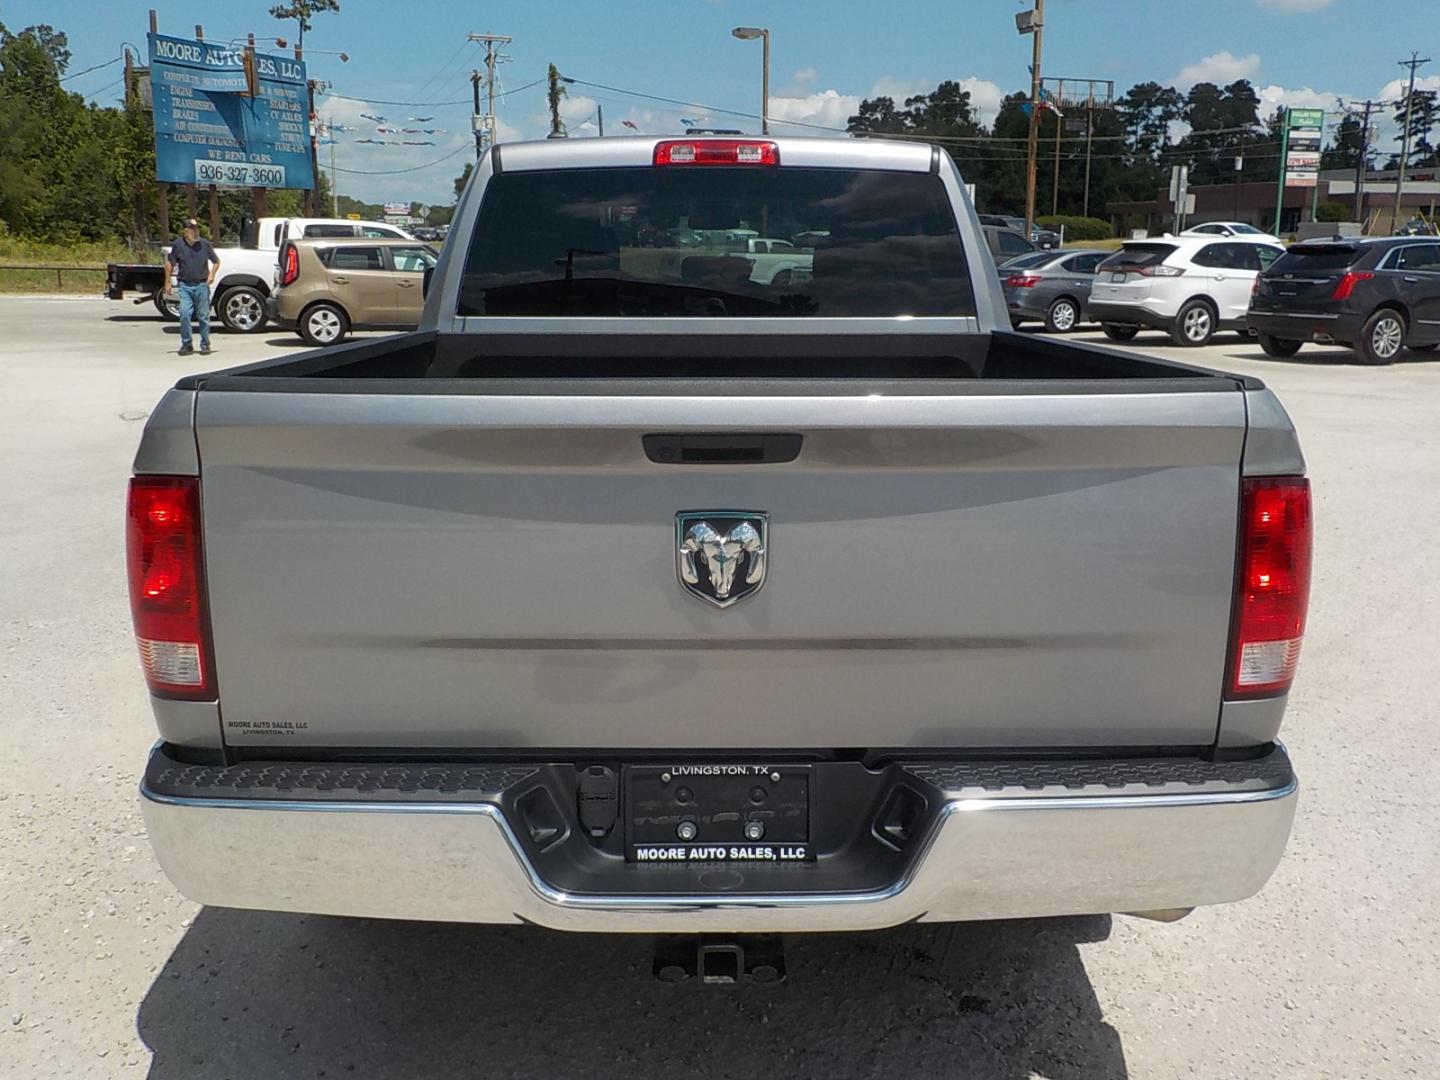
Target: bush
[1076, 227]
[1332, 211]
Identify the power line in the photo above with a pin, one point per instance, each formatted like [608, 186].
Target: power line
[434, 74]
[690, 104]
[397, 172]
[978, 140]
[429, 104]
[87, 71]
[105, 88]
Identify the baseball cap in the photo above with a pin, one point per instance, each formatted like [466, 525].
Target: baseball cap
[192, 223]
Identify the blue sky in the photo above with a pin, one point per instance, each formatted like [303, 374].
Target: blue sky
[825, 57]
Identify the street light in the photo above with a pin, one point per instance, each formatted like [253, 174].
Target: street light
[750, 33]
[1032, 22]
[344, 57]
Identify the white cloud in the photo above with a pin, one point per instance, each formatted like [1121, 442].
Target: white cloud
[831, 109]
[1302, 98]
[1219, 68]
[985, 96]
[900, 89]
[1395, 89]
[826, 108]
[1295, 6]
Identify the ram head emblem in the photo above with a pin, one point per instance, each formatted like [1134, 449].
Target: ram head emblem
[721, 554]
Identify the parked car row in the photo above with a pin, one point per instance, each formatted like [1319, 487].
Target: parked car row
[326, 288]
[1377, 296]
[1052, 287]
[1039, 236]
[247, 270]
[1188, 286]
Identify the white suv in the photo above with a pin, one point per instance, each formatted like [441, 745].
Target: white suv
[1190, 286]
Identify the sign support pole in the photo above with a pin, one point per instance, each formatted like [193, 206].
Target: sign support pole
[259, 196]
[1284, 160]
[1055, 194]
[162, 189]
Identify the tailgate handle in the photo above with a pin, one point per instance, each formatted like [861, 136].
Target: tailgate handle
[720, 449]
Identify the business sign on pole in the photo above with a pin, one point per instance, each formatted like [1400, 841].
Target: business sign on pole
[397, 208]
[209, 130]
[1304, 130]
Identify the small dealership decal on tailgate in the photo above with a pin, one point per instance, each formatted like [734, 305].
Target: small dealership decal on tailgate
[717, 812]
[722, 853]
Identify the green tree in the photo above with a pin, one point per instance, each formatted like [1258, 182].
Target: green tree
[463, 179]
[57, 148]
[1348, 148]
[303, 12]
[1146, 112]
[878, 116]
[1419, 113]
[1224, 121]
[554, 96]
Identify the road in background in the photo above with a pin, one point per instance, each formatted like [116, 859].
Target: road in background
[1332, 971]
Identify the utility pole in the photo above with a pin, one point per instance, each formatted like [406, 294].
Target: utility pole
[1413, 63]
[476, 125]
[1089, 139]
[334, 182]
[162, 189]
[1055, 194]
[600, 118]
[490, 41]
[1360, 170]
[1032, 22]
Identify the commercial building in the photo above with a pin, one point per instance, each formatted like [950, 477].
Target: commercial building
[1254, 203]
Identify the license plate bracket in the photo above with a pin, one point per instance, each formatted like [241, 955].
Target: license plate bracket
[712, 812]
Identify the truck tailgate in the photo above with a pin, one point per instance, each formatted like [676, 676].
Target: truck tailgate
[499, 570]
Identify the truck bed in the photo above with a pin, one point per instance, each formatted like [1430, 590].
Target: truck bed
[441, 541]
[432, 362]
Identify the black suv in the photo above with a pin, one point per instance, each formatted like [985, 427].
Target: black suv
[1375, 296]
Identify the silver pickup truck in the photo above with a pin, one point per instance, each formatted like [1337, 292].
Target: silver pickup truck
[632, 594]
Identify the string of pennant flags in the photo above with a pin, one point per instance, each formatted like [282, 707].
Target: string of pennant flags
[325, 132]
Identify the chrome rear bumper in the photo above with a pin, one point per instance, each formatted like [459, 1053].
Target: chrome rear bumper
[997, 854]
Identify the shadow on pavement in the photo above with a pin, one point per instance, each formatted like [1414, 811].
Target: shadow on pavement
[251, 994]
[1335, 357]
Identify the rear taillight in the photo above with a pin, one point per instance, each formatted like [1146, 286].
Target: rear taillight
[716, 152]
[1161, 270]
[1022, 281]
[1347, 283]
[167, 586]
[1272, 587]
[289, 265]
[1255, 286]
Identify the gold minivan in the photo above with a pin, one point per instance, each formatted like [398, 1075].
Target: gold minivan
[326, 288]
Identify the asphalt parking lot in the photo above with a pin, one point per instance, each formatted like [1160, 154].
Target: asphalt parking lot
[1332, 971]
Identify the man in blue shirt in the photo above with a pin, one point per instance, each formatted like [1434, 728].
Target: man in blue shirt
[193, 262]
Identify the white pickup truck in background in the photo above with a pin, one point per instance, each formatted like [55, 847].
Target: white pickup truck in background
[247, 273]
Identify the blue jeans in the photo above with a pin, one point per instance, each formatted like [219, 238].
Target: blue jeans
[194, 300]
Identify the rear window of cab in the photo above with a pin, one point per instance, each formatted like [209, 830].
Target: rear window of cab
[667, 242]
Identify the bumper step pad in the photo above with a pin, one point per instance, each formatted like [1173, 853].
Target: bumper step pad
[306, 782]
[1109, 776]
